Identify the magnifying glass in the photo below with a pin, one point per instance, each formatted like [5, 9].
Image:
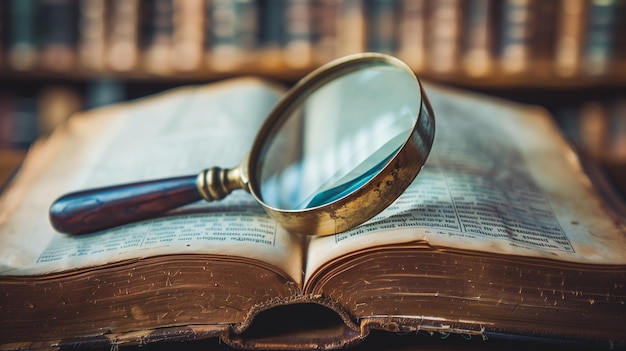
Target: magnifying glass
[336, 150]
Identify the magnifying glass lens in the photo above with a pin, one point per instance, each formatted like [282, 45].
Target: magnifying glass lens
[338, 137]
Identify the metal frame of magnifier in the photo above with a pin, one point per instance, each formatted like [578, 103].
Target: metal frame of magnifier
[361, 205]
[93, 210]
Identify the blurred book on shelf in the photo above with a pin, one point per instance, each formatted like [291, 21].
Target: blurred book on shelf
[596, 128]
[596, 125]
[27, 114]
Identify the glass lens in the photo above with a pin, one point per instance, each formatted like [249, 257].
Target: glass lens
[338, 137]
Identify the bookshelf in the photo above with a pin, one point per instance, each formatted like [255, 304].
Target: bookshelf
[61, 56]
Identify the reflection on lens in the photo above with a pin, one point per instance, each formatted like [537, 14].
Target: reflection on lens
[339, 137]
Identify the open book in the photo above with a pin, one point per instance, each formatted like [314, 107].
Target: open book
[501, 234]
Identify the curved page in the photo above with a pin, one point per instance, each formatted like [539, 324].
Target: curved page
[176, 133]
[500, 179]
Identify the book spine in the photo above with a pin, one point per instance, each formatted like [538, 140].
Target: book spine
[477, 49]
[188, 35]
[248, 13]
[381, 26]
[156, 22]
[26, 115]
[620, 55]
[617, 131]
[601, 36]
[225, 50]
[597, 127]
[233, 33]
[55, 104]
[476, 46]
[298, 47]
[208, 32]
[443, 44]
[516, 28]
[123, 41]
[3, 30]
[593, 128]
[326, 30]
[22, 43]
[103, 91]
[412, 33]
[270, 33]
[59, 20]
[351, 26]
[25, 121]
[92, 34]
[568, 51]
[544, 38]
[6, 121]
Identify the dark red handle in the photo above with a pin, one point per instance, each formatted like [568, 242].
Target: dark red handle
[96, 209]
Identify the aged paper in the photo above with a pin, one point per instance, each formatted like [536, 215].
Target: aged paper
[179, 133]
[500, 179]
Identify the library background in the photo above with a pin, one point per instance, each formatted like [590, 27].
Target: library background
[62, 56]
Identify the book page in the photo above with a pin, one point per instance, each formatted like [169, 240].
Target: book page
[175, 134]
[500, 179]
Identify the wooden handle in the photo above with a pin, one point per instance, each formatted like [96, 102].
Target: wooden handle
[96, 209]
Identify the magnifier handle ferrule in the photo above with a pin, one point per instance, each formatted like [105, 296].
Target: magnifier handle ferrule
[216, 183]
[97, 209]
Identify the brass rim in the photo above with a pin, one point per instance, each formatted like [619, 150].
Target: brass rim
[380, 191]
